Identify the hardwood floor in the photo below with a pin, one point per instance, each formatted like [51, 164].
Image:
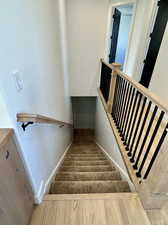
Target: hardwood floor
[91, 209]
[156, 217]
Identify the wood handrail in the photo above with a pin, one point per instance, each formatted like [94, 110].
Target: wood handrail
[36, 118]
[146, 92]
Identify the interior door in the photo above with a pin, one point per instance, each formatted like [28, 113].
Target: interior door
[114, 37]
[156, 39]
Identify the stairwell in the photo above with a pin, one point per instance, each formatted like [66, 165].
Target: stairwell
[86, 169]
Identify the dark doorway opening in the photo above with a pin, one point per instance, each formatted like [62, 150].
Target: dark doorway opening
[155, 42]
[114, 37]
[121, 27]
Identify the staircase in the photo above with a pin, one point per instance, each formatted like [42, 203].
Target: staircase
[87, 170]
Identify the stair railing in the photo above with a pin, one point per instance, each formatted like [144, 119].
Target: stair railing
[29, 118]
[139, 120]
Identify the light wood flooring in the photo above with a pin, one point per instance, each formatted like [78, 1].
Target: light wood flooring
[91, 209]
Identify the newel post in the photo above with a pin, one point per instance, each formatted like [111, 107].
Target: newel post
[112, 86]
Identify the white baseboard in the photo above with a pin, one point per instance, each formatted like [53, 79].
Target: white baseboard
[123, 173]
[44, 187]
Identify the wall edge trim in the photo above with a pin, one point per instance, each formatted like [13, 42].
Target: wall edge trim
[124, 174]
[44, 187]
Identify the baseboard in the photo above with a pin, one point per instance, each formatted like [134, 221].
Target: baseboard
[124, 175]
[44, 187]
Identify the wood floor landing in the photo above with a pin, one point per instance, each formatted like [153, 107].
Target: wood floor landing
[91, 209]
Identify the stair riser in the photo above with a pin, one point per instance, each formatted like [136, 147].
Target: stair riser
[84, 147]
[85, 152]
[87, 168]
[85, 176]
[85, 163]
[84, 159]
[89, 187]
[84, 155]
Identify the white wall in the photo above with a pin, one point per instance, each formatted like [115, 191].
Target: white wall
[123, 38]
[87, 21]
[106, 138]
[30, 43]
[5, 121]
[159, 81]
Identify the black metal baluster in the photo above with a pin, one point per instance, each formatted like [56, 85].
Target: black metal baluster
[118, 102]
[115, 99]
[145, 138]
[151, 142]
[122, 104]
[140, 133]
[101, 80]
[137, 128]
[121, 99]
[133, 124]
[156, 151]
[128, 117]
[130, 121]
[126, 111]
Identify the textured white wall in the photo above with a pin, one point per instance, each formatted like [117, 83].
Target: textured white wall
[86, 22]
[105, 136]
[30, 42]
[159, 81]
[5, 121]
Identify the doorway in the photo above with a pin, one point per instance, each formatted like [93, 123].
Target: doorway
[155, 42]
[121, 27]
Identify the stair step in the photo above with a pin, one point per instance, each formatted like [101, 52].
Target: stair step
[85, 152]
[73, 158]
[85, 163]
[84, 146]
[83, 176]
[87, 168]
[77, 187]
[84, 155]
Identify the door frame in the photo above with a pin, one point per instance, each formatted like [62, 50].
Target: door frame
[147, 38]
[109, 29]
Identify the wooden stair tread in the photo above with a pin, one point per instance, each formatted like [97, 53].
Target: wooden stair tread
[72, 187]
[81, 176]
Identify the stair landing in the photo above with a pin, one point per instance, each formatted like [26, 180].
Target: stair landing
[90, 209]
